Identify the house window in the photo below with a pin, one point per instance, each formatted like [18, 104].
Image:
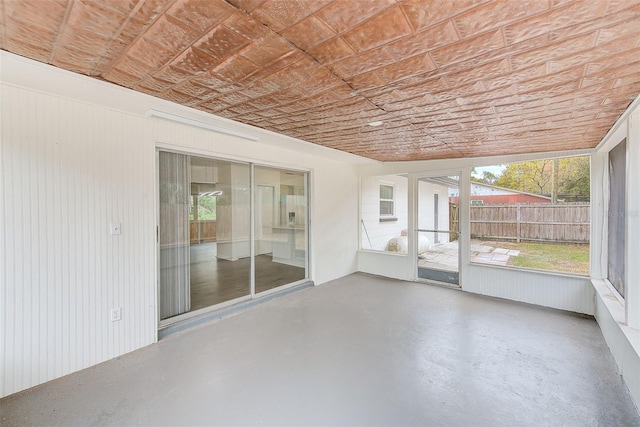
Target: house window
[616, 218]
[387, 202]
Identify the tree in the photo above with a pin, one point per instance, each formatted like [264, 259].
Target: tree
[575, 177]
[487, 177]
[537, 177]
[530, 177]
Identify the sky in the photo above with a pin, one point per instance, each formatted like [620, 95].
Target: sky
[496, 170]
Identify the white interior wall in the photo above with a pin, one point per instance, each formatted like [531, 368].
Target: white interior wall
[78, 154]
[619, 319]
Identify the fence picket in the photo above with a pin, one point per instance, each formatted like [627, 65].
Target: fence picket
[567, 223]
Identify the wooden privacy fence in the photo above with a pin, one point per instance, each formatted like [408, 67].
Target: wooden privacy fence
[562, 223]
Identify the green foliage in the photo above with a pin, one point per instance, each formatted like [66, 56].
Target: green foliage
[206, 208]
[576, 178]
[531, 177]
[486, 178]
[537, 177]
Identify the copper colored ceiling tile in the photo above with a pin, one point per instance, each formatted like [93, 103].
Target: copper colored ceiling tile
[246, 26]
[153, 84]
[497, 13]
[603, 62]
[403, 69]
[429, 39]
[268, 49]
[553, 20]
[468, 48]
[554, 51]
[291, 12]
[448, 79]
[200, 15]
[341, 15]
[362, 63]
[309, 33]
[173, 74]
[381, 29]
[220, 43]
[483, 72]
[235, 69]
[424, 14]
[334, 50]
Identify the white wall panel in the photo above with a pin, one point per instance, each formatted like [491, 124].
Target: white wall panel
[571, 293]
[67, 172]
[71, 162]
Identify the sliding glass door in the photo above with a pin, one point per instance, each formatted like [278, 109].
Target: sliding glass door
[205, 231]
[281, 227]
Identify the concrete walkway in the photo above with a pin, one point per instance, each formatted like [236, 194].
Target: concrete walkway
[444, 256]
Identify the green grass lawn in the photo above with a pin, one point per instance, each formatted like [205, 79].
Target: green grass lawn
[568, 258]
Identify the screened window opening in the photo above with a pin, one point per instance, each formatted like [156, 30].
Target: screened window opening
[533, 214]
[616, 217]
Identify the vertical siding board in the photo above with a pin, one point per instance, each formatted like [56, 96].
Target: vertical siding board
[67, 170]
[8, 260]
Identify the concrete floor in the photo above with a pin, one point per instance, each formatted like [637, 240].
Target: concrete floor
[360, 350]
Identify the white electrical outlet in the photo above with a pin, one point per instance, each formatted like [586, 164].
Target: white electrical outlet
[115, 229]
[116, 314]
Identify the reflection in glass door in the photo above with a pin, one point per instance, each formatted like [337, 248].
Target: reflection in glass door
[438, 232]
[281, 227]
[203, 232]
[205, 251]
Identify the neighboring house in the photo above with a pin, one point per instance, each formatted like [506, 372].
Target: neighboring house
[485, 194]
[384, 214]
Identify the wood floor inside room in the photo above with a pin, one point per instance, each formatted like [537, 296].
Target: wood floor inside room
[215, 280]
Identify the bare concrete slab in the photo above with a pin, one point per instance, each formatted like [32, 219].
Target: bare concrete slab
[361, 350]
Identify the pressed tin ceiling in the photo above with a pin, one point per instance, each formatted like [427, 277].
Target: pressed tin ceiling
[446, 78]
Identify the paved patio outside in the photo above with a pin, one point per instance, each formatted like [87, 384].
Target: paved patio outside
[444, 256]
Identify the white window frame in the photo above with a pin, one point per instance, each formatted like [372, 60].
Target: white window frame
[392, 215]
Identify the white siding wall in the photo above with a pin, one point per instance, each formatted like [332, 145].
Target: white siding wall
[69, 166]
[380, 232]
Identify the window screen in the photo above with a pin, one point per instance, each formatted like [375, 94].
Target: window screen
[617, 209]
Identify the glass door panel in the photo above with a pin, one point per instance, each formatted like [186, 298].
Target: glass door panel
[173, 234]
[280, 227]
[438, 230]
[204, 232]
[220, 258]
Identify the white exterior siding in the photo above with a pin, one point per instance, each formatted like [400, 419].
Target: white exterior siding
[378, 232]
[69, 168]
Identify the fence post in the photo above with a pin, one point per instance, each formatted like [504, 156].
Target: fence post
[518, 222]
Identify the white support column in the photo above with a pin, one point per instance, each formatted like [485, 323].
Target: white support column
[464, 224]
